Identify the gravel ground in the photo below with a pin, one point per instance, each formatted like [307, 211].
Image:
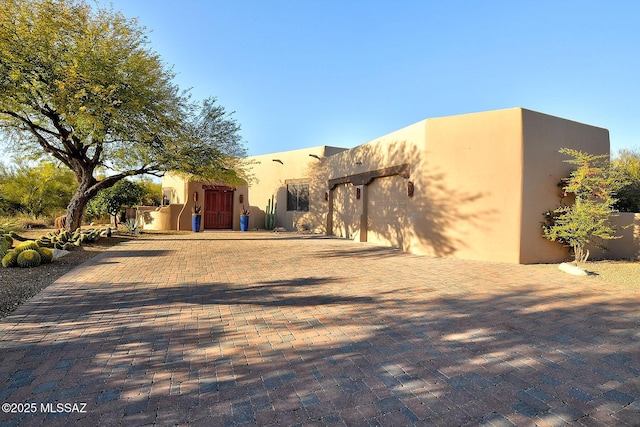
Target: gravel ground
[622, 272]
[19, 284]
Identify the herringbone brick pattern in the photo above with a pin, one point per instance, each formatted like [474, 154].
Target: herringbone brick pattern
[241, 329]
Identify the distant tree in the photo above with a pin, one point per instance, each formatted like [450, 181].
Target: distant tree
[152, 192]
[36, 190]
[627, 163]
[111, 200]
[83, 86]
[594, 184]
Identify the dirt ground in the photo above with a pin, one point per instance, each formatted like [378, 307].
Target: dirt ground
[623, 272]
[19, 284]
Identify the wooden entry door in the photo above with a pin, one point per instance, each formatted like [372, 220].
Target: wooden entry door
[218, 209]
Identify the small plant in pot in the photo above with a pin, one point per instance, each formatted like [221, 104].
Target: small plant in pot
[196, 217]
[244, 219]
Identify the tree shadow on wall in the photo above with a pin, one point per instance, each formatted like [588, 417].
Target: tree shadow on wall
[447, 215]
[435, 220]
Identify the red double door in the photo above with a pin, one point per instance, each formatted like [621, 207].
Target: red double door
[218, 209]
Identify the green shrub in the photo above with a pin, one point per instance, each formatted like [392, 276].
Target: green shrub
[594, 184]
[627, 163]
[131, 226]
[7, 225]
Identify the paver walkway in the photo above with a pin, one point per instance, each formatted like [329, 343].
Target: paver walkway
[239, 329]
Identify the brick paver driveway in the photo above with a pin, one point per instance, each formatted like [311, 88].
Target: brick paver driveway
[233, 329]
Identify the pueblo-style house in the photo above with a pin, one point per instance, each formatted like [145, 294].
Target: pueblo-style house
[471, 186]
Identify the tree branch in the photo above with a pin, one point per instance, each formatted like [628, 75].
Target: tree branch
[30, 123]
[112, 179]
[44, 143]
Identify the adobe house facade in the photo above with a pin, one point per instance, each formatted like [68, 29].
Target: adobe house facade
[471, 186]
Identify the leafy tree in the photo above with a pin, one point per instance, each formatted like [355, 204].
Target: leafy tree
[36, 190]
[152, 192]
[83, 86]
[627, 163]
[111, 200]
[594, 184]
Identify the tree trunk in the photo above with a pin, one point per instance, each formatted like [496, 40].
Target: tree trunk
[75, 209]
[580, 254]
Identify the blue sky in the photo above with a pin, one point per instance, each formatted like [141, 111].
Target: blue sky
[330, 72]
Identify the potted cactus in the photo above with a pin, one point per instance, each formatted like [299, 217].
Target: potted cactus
[196, 217]
[244, 219]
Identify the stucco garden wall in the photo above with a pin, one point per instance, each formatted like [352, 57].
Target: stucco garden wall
[628, 245]
[159, 217]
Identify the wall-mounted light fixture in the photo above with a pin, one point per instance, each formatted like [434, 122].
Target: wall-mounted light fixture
[326, 196]
[358, 162]
[410, 188]
[315, 156]
[277, 161]
[358, 193]
[241, 198]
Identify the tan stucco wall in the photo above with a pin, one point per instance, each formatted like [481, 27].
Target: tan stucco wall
[628, 245]
[346, 212]
[544, 168]
[387, 210]
[465, 171]
[382, 200]
[473, 173]
[272, 178]
[177, 185]
[482, 182]
[159, 217]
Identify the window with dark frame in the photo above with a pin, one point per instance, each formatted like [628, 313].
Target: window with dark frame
[298, 197]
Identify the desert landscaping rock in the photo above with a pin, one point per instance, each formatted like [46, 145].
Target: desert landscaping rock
[571, 268]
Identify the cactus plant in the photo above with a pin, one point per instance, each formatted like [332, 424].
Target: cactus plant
[27, 244]
[270, 216]
[46, 255]
[10, 259]
[64, 236]
[28, 258]
[4, 248]
[43, 242]
[17, 237]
